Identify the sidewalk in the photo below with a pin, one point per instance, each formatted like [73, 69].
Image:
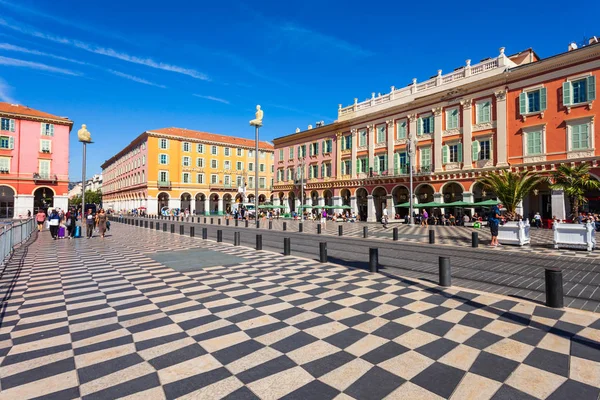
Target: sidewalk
[158, 315]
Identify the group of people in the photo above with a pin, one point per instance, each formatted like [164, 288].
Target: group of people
[63, 224]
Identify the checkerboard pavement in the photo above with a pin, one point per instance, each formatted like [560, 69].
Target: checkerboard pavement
[101, 319]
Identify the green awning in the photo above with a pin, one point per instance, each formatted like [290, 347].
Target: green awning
[487, 203]
[433, 204]
[407, 204]
[268, 206]
[458, 204]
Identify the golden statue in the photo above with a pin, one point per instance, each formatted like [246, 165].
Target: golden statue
[84, 135]
[259, 116]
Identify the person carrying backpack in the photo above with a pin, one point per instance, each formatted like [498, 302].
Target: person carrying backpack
[494, 222]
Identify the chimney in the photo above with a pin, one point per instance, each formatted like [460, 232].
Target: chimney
[297, 130]
[593, 40]
[572, 46]
[310, 127]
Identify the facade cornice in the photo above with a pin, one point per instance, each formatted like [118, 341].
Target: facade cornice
[210, 142]
[133, 143]
[34, 118]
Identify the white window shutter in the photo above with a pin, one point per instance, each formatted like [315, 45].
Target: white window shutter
[51, 129]
[42, 126]
[11, 143]
[12, 125]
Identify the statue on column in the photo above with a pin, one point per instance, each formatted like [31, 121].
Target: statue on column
[84, 135]
[259, 117]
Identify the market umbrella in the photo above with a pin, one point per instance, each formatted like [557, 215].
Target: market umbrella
[487, 203]
[407, 204]
[458, 204]
[429, 205]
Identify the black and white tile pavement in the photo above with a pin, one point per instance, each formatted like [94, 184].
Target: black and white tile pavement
[102, 319]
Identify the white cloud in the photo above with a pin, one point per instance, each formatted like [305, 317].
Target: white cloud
[5, 93]
[135, 78]
[212, 98]
[315, 39]
[148, 62]
[11, 47]
[13, 62]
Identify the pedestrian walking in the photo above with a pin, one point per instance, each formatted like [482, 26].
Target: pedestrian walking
[384, 218]
[71, 223]
[324, 218]
[493, 223]
[40, 218]
[89, 224]
[101, 219]
[424, 218]
[538, 220]
[54, 222]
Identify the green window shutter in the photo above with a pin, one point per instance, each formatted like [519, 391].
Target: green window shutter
[591, 88]
[543, 102]
[12, 125]
[523, 103]
[11, 143]
[376, 164]
[167, 158]
[420, 126]
[366, 165]
[475, 150]
[357, 166]
[584, 140]
[459, 151]
[431, 124]
[487, 111]
[396, 162]
[567, 93]
[445, 154]
[299, 150]
[343, 142]
[343, 168]
[323, 147]
[159, 158]
[316, 149]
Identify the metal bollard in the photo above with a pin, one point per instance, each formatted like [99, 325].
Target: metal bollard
[270, 224]
[287, 247]
[445, 272]
[554, 287]
[204, 219]
[373, 259]
[236, 238]
[285, 226]
[157, 226]
[204, 233]
[227, 222]
[181, 229]
[192, 231]
[474, 239]
[431, 236]
[323, 252]
[300, 227]
[319, 229]
[146, 224]
[365, 232]
[164, 226]
[219, 236]
[219, 221]
[151, 224]
[172, 228]
[246, 223]
[236, 222]
[212, 220]
[257, 224]
[137, 223]
[340, 230]
[395, 234]
[258, 242]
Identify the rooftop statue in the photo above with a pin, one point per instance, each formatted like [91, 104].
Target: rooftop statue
[259, 117]
[84, 135]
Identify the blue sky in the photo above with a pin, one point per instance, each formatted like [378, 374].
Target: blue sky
[123, 67]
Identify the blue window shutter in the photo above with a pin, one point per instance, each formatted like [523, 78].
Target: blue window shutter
[567, 93]
[523, 103]
[459, 151]
[420, 126]
[445, 154]
[591, 88]
[543, 102]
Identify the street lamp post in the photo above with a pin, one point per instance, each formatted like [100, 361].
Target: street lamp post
[84, 137]
[411, 157]
[256, 123]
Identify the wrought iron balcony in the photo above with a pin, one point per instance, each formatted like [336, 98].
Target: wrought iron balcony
[44, 177]
[164, 184]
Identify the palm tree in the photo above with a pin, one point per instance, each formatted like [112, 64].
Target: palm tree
[511, 188]
[575, 181]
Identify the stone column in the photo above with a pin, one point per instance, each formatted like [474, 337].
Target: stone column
[437, 140]
[467, 142]
[338, 155]
[276, 200]
[220, 206]
[390, 146]
[371, 146]
[193, 206]
[354, 146]
[371, 211]
[501, 129]
[296, 204]
[353, 205]
[206, 205]
[389, 203]
[321, 202]
[468, 198]
[439, 198]
[558, 204]
[337, 202]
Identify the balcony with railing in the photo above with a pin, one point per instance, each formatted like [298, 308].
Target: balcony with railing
[402, 170]
[44, 177]
[437, 83]
[164, 184]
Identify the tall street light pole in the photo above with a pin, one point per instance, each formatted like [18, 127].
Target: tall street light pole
[411, 157]
[84, 137]
[256, 123]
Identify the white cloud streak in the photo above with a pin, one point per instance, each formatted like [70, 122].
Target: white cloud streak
[135, 79]
[13, 62]
[11, 47]
[5, 93]
[212, 98]
[313, 38]
[148, 62]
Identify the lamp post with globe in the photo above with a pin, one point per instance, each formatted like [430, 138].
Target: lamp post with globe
[84, 137]
[256, 123]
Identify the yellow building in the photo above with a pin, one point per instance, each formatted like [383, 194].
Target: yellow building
[175, 168]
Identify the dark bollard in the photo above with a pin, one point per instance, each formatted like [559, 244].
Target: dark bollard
[270, 224]
[164, 226]
[212, 220]
[474, 239]
[246, 223]
[431, 236]
[395, 234]
[181, 230]
[236, 238]
[323, 252]
[319, 229]
[340, 230]
[146, 224]
[257, 224]
[285, 226]
[204, 233]
[204, 219]
[374, 259]
[158, 226]
[219, 236]
[258, 242]
[192, 231]
[172, 228]
[227, 222]
[287, 247]
[300, 227]
[151, 224]
[445, 271]
[554, 287]
[219, 221]
[365, 232]
[137, 223]
[236, 222]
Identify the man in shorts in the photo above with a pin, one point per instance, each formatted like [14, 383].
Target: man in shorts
[494, 222]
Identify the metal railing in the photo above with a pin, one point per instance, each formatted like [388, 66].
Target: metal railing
[13, 234]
